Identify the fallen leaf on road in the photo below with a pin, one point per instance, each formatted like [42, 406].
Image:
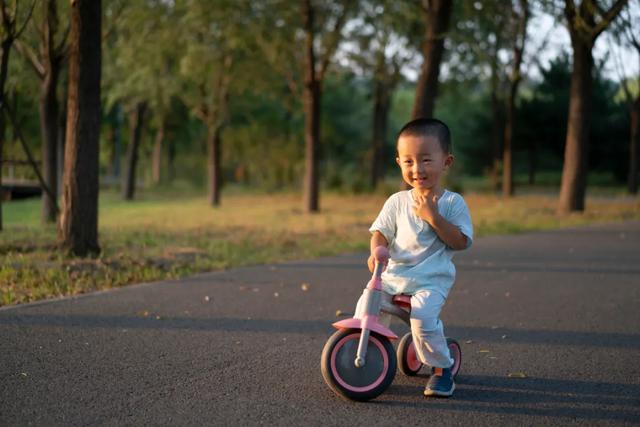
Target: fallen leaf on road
[305, 287]
[338, 313]
[517, 375]
[24, 374]
[275, 294]
[504, 337]
[144, 313]
[483, 351]
[468, 342]
[206, 298]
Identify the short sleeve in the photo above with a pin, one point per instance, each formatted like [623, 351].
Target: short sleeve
[460, 217]
[385, 223]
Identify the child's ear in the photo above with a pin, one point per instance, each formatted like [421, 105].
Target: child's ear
[448, 161]
[398, 160]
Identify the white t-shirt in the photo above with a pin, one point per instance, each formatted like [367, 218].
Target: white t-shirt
[420, 260]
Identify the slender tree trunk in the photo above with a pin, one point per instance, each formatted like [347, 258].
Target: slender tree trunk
[632, 183]
[156, 164]
[572, 191]
[381, 105]
[496, 127]
[533, 161]
[136, 120]
[437, 17]
[2, 133]
[61, 129]
[507, 153]
[171, 156]
[214, 149]
[49, 132]
[79, 217]
[311, 103]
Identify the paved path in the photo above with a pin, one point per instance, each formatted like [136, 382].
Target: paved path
[563, 308]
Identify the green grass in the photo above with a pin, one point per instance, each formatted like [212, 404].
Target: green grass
[168, 235]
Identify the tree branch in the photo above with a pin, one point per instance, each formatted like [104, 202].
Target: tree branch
[334, 39]
[607, 18]
[31, 58]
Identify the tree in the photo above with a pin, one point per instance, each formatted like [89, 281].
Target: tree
[141, 76]
[78, 232]
[437, 14]
[212, 44]
[519, 19]
[47, 65]
[625, 35]
[299, 45]
[384, 26]
[10, 30]
[585, 22]
[314, 70]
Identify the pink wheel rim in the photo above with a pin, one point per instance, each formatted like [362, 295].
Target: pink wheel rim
[454, 350]
[412, 358]
[349, 387]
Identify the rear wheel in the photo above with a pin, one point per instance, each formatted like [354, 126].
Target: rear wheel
[347, 380]
[456, 354]
[409, 363]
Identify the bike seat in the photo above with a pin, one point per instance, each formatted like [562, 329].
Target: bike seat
[402, 300]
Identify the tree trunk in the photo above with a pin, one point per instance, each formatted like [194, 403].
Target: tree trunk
[49, 132]
[79, 217]
[171, 156]
[572, 191]
[136, 119]
[61, 129]
[214, 149]
[381, 105]
[507, 152]
[156, 165]
[533, 161]
[632, 182]
[311, 103]
[496, 127]
[437, 16]
[2, 133]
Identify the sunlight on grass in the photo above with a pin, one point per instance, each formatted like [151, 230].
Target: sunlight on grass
[169, 236]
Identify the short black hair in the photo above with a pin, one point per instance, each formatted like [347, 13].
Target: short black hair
[428, 127]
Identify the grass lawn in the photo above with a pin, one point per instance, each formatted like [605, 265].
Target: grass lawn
[162, 236]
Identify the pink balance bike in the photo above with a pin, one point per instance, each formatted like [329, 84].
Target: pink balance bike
[358, 361]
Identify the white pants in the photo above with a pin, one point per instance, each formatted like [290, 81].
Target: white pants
[426, 328]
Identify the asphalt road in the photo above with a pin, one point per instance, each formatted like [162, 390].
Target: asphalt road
[559, 311]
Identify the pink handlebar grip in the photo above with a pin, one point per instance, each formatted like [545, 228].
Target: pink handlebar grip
[381, 254]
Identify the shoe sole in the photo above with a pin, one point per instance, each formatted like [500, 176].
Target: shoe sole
[437, 393]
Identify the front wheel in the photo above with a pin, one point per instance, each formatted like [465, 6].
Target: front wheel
[347, 380]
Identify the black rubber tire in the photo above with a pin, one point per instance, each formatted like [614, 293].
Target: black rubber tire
[330, 377]
[457, 357]
[402, 353]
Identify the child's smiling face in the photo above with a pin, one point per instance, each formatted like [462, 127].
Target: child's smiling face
[422, 162]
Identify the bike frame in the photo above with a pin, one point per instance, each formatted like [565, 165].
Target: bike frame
[369, 321]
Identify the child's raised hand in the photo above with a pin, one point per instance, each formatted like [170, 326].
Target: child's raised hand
[426, 207]
[371, 262]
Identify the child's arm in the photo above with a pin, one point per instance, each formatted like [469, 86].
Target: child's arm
[426, 207]
[377, 239]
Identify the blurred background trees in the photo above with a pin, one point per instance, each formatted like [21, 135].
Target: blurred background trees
[306, 95]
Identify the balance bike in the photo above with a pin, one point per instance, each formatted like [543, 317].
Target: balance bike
[358, 361]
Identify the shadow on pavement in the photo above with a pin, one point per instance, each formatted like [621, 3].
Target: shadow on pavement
[575, 399]
[475, 333]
